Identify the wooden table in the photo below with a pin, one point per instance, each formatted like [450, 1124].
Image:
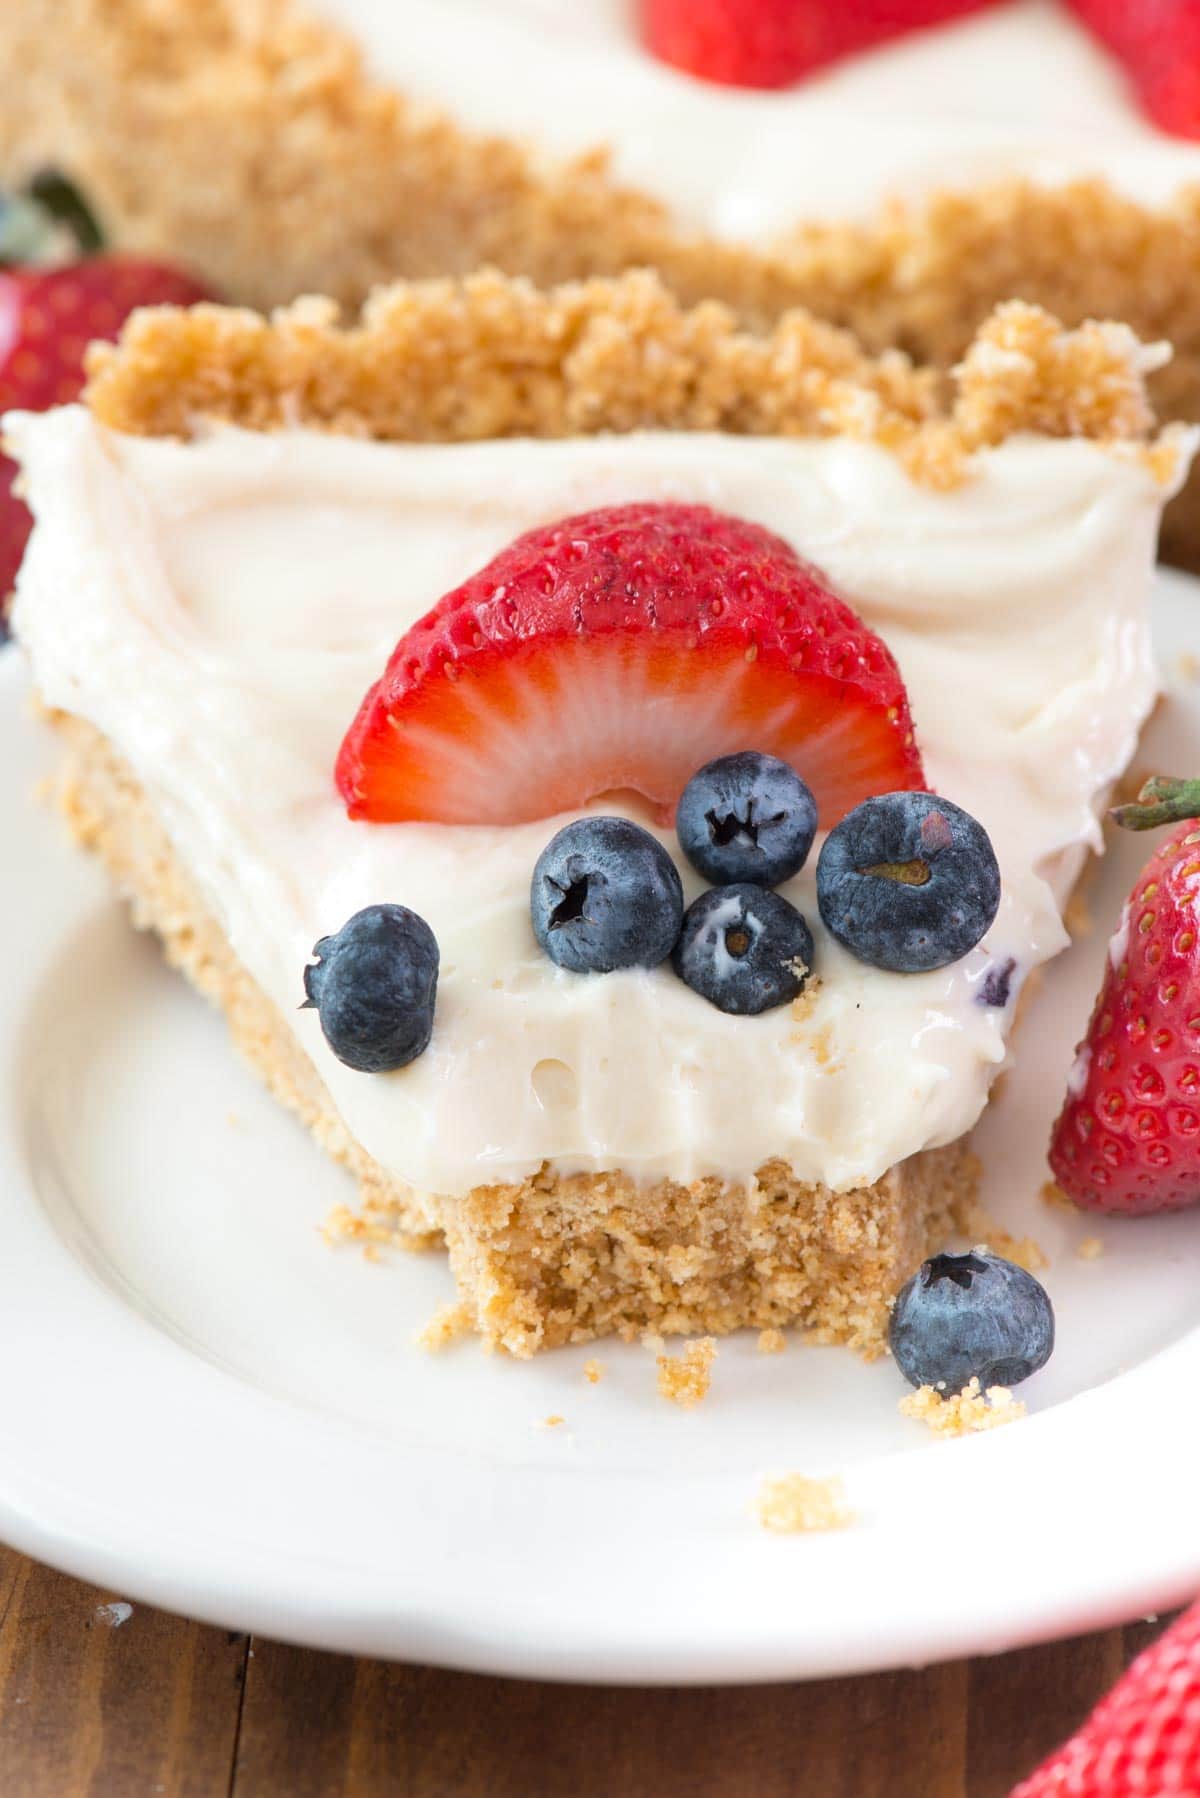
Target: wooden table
[154, 1704]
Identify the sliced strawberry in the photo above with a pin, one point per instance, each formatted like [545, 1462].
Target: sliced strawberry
[621, 650]
[1128, 1136]
[47, 319]
[771, 43]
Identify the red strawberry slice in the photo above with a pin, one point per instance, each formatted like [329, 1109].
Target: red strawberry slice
[47, 319]
[740, 43]
[621, 650]
[1143, 1740]
[1158, 41]
[1128, 1137]
[771, 43]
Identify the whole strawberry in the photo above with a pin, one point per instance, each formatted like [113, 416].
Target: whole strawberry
[1158, 41]
[771, 43]
[57, 295]
[740, 43]
[1143, 1740]
[1128, 1137]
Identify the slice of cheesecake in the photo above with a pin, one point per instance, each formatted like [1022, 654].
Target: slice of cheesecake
[236, 529]
[325, 146]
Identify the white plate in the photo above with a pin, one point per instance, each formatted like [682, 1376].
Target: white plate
[203, 1407]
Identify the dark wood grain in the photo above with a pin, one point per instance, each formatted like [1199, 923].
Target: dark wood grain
[1020, 1706]
[163, 1706]
[1146, 1630]
[320, 1727]
[87, 1708]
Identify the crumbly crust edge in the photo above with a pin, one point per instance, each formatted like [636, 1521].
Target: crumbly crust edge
[491, 356]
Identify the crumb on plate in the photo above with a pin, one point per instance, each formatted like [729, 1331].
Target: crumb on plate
[1052, 1194]
[771, 1342]
[1091, 1248]
[793, 1504]
[376, 1224]
[447, 1325]
[684, 1379]
[963, 1413]
[593, 1372]
[1023, 1250]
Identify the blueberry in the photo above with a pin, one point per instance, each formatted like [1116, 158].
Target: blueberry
[746, 817]
[374, 984]
[744, 948]
[964, 1317]
[605, 895]
[908, 882]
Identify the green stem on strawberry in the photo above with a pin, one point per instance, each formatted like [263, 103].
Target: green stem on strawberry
[67, 206]
[1162, 800]
[48, 224]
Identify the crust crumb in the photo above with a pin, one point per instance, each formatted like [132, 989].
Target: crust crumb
[1023, 1250]
[685, 1379]
[803, 1003]
[963, 1413]
[1052, 1194]
[379, 1223]
[1090, 1249]
[771, 1342]
[447, 1325]
[593, 1372]
[817, 1043]
[793, 1504]
[1187, 665]
[338, 1226]
[553, 1421]
[820, 1047]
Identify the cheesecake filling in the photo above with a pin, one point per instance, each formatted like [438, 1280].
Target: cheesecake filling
[1017, 90]
[218, 608]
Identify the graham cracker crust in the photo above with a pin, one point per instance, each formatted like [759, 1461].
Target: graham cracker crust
[491, 357]
[556, 1259]
[246, 140]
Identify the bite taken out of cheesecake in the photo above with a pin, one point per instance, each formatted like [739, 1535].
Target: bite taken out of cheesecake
[282, 147]
[299, 600]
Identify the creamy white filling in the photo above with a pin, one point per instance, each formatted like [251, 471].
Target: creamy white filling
[1021, 90]
[218, 609]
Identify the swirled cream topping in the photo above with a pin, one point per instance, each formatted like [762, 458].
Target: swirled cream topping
[218, 608]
